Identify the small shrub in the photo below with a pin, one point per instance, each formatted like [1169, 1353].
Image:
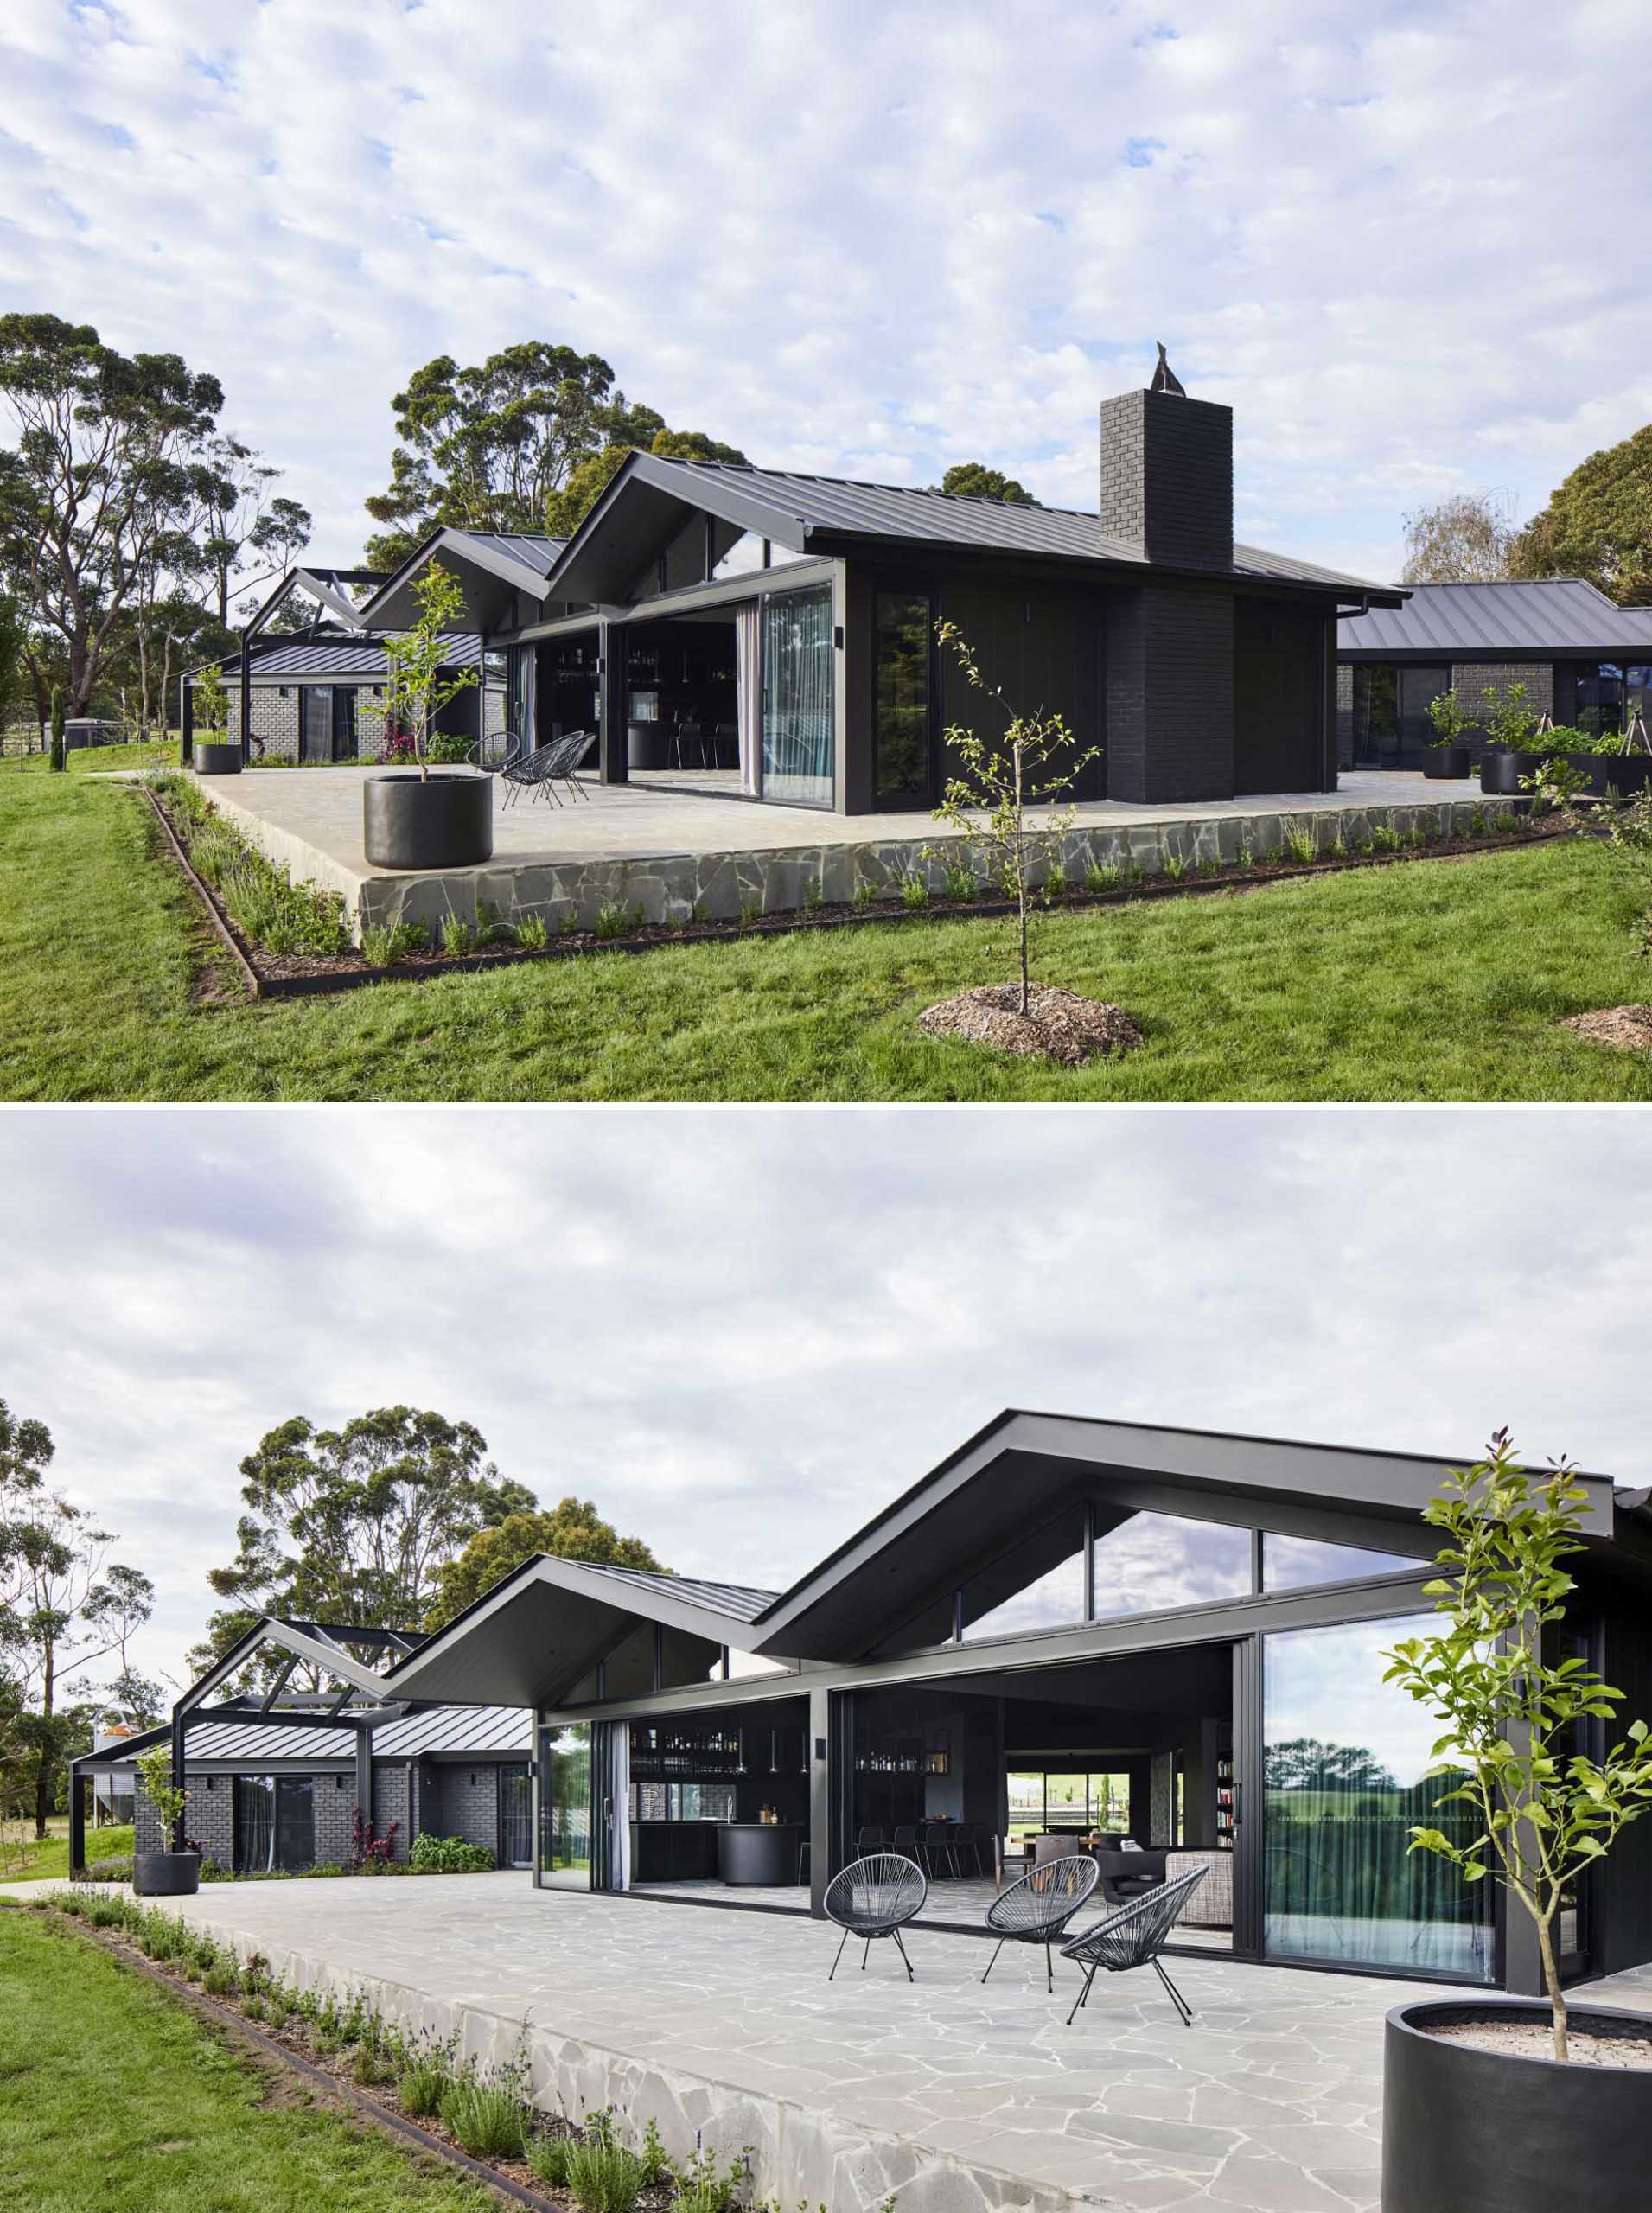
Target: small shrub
[1101, 877]
[1134, 873]
[106, 1913]
[459, 937]
[1207, 869]
[865, 896]
[255, 2009]
[449, 1855]
[74, 1905]
[1385, 838]
[533, 934]
[813, 898]
[547, 2156]
[568, 921]
[446, 748]
[372, 2061]
[603, 2175]
[1175, 867]
[1302, 845]
[914, 893]
[222, 1979]
[704, 2187]
[425, 2079]
[109, 1871]
[1055, 883]
[1246, 857]
[1337, 848]
[655, 2165]
[487, 2117]
[958, 883]
[614, 920]
[751, 913]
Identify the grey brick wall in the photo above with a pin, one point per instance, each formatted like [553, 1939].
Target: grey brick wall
[1170, 686]
[1480, 683]
[1167, 477]
[275, 720]
[335, 1820]
[390, 1803]
[461, 1807]
[208, 1818]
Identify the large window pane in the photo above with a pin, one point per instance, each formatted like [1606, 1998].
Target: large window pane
[1154, 1561]
[565, 1806]
[1343, 1766]
[901, 647]
[1292, 1563]
[797, 741]
[1376, 714]
[1040, 1586]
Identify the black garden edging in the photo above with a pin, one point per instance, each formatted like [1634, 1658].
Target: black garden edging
[390, 2118]
[652, 937]
[1467, 2131]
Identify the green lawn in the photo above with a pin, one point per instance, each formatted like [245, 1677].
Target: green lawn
[113, 2094]
[29, 1862]
[1430, 980]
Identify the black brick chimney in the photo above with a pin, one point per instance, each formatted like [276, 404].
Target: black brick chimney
[1167, 476]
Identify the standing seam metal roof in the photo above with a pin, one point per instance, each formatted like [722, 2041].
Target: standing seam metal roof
[833, 503]
[452, 1729]
[741, 1602]
[1555, 615]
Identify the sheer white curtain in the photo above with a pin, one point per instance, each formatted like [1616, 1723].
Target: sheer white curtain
[747, 684]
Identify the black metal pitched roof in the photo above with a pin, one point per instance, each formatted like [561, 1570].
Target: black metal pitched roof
[437, 1730]
[335, 660]
[1553, 615]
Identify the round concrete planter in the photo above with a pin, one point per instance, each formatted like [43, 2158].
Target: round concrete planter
[1466, 2131]
[447, 822]
[166, 1874]
[1624, 773]
[1449, 762]
[215, 760]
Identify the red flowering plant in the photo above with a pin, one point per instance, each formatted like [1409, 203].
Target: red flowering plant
[368, 1850]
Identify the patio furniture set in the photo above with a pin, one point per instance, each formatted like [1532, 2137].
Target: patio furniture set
[536, 770]
[875, 1896]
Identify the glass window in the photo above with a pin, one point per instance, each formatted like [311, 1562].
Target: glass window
[1154, 1561]
[1042, 1799]
[1599, 705]
[742, 557]
[565, 1806]
[901, 666]
[797, 730]
[1344, 1769]
[1377, 722]
[1022, 1594]
[1288, 1563]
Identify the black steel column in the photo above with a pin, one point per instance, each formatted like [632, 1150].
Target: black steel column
[180, 1837]
[186, 719]
[247, 696]
[611, 703]
[364, 1781]
[826, 1771]
[77, 1822]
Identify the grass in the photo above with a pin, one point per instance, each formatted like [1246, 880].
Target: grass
[24, 1860]
[96, 760]
[113, 2094]
[1424, 981]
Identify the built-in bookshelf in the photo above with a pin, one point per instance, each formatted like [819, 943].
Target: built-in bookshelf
[1225, 1802]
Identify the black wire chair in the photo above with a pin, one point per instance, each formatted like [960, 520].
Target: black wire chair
[1038, 1908]
[873, 1898]
[494, 750]
[1132, 1937]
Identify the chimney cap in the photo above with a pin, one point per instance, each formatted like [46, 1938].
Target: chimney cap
[1164, 378]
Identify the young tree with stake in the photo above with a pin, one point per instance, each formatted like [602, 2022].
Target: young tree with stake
[1516, 1715]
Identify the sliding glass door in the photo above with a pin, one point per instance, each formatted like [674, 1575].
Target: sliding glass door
[564, 1807]
[515, 1816]
[798, 751]
[1345, 1762]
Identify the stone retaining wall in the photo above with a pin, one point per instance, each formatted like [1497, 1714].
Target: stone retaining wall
[721, 887]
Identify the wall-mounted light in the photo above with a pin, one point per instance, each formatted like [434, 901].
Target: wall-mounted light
[837, 635]
[339, 1782]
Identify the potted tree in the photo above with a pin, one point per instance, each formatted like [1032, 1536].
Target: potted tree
[1447, 753]
[164, 1874]
[411, 819]
[1511, 730]
[216, 753]
[1516, 2105]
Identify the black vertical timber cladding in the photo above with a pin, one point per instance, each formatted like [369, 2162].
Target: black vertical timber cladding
[1042, 648]
[1623, 1934]
[1167, 477]
[1170, 693]
[1279, 742]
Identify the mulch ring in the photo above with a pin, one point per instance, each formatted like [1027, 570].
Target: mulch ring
[1627, 1029]
[1059, 1025]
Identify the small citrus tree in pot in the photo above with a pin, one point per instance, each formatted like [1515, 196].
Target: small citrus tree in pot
[166, 1873]
[1448, 753]
[212, 752]
[1467, 2120]
[413, 817]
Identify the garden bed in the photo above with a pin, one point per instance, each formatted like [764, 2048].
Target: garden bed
[287, 973]
[480, 2121]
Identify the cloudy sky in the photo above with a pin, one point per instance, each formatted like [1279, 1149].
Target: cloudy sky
[1401, 238]
[742, 1332]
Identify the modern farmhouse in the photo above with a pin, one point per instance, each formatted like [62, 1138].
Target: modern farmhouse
[1165, 1646]
[768, 635]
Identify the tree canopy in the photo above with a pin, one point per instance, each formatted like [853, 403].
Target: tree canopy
[973, 480]
[1597, 525]
[1465, 539]
[354, 1524]
[572, 1530]
[498, 445]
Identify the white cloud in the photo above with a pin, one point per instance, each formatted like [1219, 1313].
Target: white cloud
[875, 237]
[743, 1332]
